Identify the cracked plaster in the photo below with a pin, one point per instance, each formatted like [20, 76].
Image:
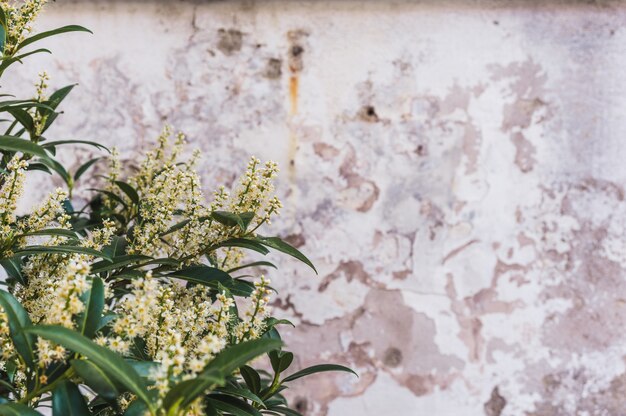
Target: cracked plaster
[455, 171]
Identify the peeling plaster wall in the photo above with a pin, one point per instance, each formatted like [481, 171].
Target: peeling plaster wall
[455, 170]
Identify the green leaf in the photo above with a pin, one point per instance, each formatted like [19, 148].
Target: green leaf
[186, 392]
[143, 368]
[285, 361]
[285, 411]
[252, 378]
[43, 35]
[278, 244]
[204, 275]
[271, 322]
[83, 168]
[7, 62]
[30, 250]
[243, 393]
[96, 379]
[116, 248]
[13, 267]
[53, 144]
[68, 401]
[253, 264]
[17, 409]
[110, 195]
[129, 191]
[242, 243]
[231, 405]
[13, 144]
[117, 262]
[238, 355]
[231, 219]
[18, 320]
[90, 318]
[58, 168]
[111, 363]
[23, 117]
[59, 95]
[317, 369]
[57, 232]
[137, 408]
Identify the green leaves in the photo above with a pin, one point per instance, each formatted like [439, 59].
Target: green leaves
[236, 356]
[230, 219]
[18, 320]
[89, 320]
[43, 35]
[68, 401]
[30, 250]
[110, 363]
[98, 380]
[226, 362]
[211, 276]
[278, 244]
[12, 144]
[17, 409]
[318, 369]
[130, 192]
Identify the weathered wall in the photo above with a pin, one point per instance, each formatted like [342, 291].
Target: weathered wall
[455, 171]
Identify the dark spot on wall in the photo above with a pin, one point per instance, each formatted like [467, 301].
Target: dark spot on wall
[393, 357]
[296, 51]
[495, 22]
[368, 113]
[273, 68]
[496, 403]
[420, 150]
[295, 54]
[296, 240]
[230, 41]
[301, 404]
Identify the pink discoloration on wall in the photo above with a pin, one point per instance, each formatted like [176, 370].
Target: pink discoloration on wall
[456, 173]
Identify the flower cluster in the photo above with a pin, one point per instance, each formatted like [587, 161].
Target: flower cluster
[19, 17]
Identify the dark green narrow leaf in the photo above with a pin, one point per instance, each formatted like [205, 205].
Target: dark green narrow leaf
[59, 95]
[58, 168]
[129, 191]
[90, 318]
[53, 144]
[252, 378]
[117, 262]
[14, 269]
[83, 168]
[68, 401]
[278, 244]
[232, 405]
[14, 144]
[111, 363]
[30, 250]
[318, 369]
[242, 393]
[243, 243]
[43, 35]
[238, 355]
[186, 392]
[254, 264]
[24, 118]
[18, 320]
[58, 232]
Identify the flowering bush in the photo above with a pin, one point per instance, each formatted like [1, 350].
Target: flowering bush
[134, 304]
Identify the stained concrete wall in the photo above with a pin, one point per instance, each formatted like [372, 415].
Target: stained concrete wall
[455, 170]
